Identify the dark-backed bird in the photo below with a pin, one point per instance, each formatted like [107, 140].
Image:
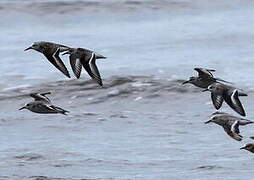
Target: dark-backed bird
[204, 78]
[221, 92]
[51, 52]
[83, 57]
[229, 123]
[42, 105]
[249, 147]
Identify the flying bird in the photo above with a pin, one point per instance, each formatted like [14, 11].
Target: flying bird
[83, 57]
[51, 52]
[221, 92]
[204, 78]
[42, 105]
[229, 123]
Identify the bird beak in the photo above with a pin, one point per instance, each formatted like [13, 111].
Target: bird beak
[243, 147]
[185, 82]
[22, 108]
[208, 121]
[205, 90]
[28, 48]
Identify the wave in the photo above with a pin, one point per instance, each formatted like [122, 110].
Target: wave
[63, 7]
[137, 87]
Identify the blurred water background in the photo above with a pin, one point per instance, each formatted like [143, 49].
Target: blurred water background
[143, 124]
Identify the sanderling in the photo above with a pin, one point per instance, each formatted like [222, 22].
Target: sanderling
[229, 123]
[83, 57]
[42, 104]
[51, 52]
[204, 78]
[221, 92]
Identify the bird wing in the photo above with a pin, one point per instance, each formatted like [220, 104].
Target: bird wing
[45, 108]
[58, 109]
[234, 133]
[234, 102]
[92, 69]
[235, 127]
[217, 100]
[40, 97]
[222, 80]
[75, 65]
[245, 121]
[57, 62]
[204, 73]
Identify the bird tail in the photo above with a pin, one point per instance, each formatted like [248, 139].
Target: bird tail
[242, 94]
[98, 56]
[60, 110]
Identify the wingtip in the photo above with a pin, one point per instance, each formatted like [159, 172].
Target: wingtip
[237, 137]
[65, 112]
[217, 108]
[77, 76]
[100, 83]
[242, 113]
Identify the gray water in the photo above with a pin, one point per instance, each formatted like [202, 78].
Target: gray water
[143, 124]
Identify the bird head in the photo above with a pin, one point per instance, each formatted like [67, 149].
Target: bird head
[248, 147]
[213, 119]
[35, 46]
[191, 79]
[27, 106]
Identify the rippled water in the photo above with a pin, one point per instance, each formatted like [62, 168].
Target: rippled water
[143, 124]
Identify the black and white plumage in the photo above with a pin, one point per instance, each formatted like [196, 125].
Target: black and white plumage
[51, 52]
[229, 123]
[221, 92]
[83, 57]
[42, 105]
[204, 78]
